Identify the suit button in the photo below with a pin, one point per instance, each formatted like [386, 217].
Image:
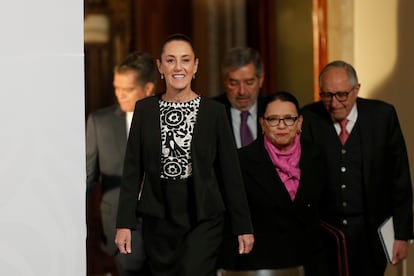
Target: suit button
[343, 186]
[343, 151]
[344, 204]
[344, 222]
[343, 169]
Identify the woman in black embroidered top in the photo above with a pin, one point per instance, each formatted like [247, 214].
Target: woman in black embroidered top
[181, 173]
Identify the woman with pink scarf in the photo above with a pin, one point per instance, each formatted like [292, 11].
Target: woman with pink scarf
[282, 174]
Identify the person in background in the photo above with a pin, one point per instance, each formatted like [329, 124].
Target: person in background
[367, 168]
[180, 152]
[283, 175]
[106, 137]
[243, 76]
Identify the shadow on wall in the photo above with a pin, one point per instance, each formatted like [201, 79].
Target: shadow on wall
[398, 89]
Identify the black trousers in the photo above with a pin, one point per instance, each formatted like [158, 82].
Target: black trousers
[359, 248]
[179, 244]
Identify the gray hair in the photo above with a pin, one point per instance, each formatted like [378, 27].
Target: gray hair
[238, 57]
[352, 75]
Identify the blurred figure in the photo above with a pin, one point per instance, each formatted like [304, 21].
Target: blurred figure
[243, 76]
[283, 174]
[106, 138]
[367, 168]
[181, 154]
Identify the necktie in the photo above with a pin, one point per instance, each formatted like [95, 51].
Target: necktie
[245, 133]
[344, 134]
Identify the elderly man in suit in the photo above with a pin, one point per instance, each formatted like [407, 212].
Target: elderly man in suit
[368, 172]
[106, 137]
[243, 76]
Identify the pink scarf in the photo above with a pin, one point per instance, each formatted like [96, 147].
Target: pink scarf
[286, 164]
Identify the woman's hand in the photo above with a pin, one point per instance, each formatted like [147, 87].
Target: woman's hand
[123, 240]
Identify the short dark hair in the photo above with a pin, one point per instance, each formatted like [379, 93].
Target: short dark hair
[283, 96]
[177, 37]
[142, 64]
[241, 56]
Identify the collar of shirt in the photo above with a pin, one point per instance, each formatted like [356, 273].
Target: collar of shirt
[128, 117]
[352, 117]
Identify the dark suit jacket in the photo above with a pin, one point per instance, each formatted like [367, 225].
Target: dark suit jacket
[213, 152]
[105, 147]
[386, 174]
[286, 232]
[260, 109]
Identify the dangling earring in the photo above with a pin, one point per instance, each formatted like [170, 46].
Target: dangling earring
[194, 77]
[162, 76]
[299, 131]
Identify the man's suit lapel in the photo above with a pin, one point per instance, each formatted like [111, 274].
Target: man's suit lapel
[260, 111]
[366, 132]
[119, 130]
[227, 104]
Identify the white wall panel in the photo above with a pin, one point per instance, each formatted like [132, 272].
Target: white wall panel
[42, 166]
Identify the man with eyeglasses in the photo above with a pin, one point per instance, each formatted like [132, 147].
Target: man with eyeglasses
[367, 168]
[243, 76]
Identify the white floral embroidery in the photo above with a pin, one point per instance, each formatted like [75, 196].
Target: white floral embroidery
[177, 122]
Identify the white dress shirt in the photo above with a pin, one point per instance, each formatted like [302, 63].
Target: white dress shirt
[251, 122]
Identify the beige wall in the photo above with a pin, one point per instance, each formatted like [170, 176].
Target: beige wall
[294, 58]
[376, 37]
[384, 44]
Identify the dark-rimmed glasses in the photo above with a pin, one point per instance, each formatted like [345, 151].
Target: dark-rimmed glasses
[341, 96]
[275, 121]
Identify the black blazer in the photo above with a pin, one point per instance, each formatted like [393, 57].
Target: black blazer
[287, 232]
[216, 172]
[386, 174]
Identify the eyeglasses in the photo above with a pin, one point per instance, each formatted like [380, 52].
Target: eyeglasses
[275, 121]
[341, 96]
